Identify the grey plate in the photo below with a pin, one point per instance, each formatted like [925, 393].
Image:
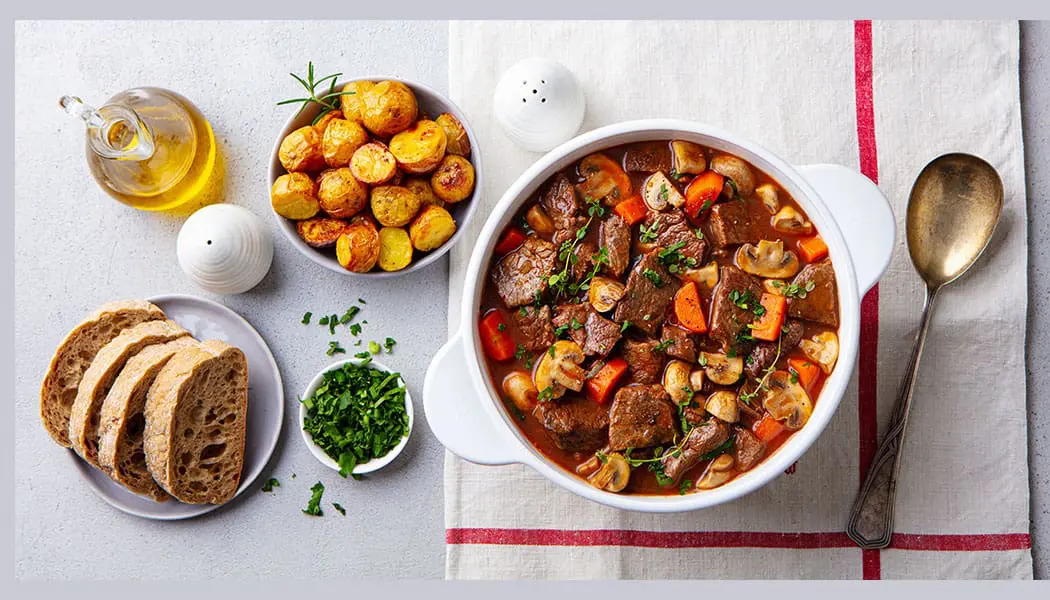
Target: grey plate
[208, 320]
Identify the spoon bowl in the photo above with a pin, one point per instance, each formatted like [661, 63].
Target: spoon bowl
[952, 212]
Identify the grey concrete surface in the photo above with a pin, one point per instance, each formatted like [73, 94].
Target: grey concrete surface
[76, 248]
[1035, 117]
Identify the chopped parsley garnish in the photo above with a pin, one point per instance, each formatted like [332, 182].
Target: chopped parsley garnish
[663, 192]
[323, 320]
[306, 317]
[794, 290]
[699, 234]
[333, 322]
[663, 346]
[624, 326]
[736, 190]
[361, 301]
[792, 375]
[545, 394]
[349, 314]
[522, 353]
[560, 330]
[313, 507]
[603, 457]
[654, 277]
[523, 311]
[270, 484]
[703, 207]
[743, 300]
[389, 344]
[671, 258]
[335, 348]
[355, 329]
[648, 236]
[726, 446]
[340, 508]
[356, 414]
[703, 360]
[684, 486]
[576, 324]
[501, 327]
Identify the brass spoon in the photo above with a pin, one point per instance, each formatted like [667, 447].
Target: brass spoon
[952, 212]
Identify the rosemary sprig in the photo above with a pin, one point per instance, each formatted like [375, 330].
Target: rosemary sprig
[328, 102]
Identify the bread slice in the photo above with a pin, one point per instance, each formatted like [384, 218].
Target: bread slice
[75, 354]
[94, 386]
[120, 433]
[195, 423]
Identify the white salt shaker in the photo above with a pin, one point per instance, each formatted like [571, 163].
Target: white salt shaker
[539, 103]
[225, 249]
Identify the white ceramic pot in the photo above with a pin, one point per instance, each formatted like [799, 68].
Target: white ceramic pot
[463, 407]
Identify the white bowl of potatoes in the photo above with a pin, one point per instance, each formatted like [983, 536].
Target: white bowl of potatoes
[382, 185]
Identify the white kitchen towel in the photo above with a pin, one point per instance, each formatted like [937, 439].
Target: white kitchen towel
[884, 98]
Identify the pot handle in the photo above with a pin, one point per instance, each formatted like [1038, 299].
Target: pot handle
[455, 413]
[862, 213]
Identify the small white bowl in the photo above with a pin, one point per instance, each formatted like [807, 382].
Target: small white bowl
[376, 463]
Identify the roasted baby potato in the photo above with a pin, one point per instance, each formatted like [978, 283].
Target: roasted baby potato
[421, 188]
[454, 179]
[352, 103]
[433, 227]
[322, 123]
[294, 196]
[388, 107]
[357, 249]
[320, 232]
[419, 148]
[373, 163]
[394, 205]
[458, 141]
[341, 138]
[340, 194]
[301, 150]
[395, 249]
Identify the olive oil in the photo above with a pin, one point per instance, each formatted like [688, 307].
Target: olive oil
[150, 148]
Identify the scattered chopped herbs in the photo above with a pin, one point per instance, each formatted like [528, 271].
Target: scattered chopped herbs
[792, 375]
[522, 353]
[350, 314]
[744, 300]
[654, 277]
[663, 192]
[357, 414]
[648, 236]
[699, 234]
[703, 360]
[357, 343]
[389, 344]
[501, 327]
[313, 507]
[663, 346]
[550, 351]
[674, 260]
[661, 478]
[726, 446]
[576, 324]
[794, 290]
[674, 174]
[355, 329]
[340, 508]
[270, 484]
[703, 207]
[736, 190]
[683, 488]
[523, 312]
[333, 322]
[603, 457]
[335, 348]
[560, 330]
[361, 301]
[293, 475]
[323, 320]
[624, 325]
[546, 394]
[516, 411]
[306, 317]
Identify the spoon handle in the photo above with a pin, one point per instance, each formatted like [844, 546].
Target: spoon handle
[871, 519]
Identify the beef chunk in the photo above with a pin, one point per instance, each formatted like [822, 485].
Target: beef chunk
[641, 416]
[602, 335]
[574, 317]
[615, 236]
[648, 157]
[584, 252]
[727, 319]
[694, 415]
[645, 364]
[672, 228]
[559, 201]
[819, 304]
[535, 327]
[747, 448]
[731, 224]
[701, 440]
[575, 423]
[761, 358]
[523, 273]
[682, 345]
[649, 291]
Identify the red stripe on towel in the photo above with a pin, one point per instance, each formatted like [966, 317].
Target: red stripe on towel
[962, 543]
[867, 398]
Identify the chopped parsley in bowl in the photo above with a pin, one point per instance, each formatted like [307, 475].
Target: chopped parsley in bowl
[356, 416]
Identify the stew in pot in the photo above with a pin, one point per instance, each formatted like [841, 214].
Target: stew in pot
[660, 318]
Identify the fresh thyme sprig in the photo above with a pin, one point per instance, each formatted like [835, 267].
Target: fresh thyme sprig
[328, 102]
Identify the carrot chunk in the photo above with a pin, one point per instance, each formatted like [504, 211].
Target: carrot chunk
[512, 238]
[768, 428]
[768, 325]
[600, 387]
[812, 248]
[631, 210]
[806, 371]
[702, 192]
[495, 338]
[688, 309]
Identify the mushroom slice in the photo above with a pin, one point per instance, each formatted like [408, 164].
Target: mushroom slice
[589, 467]
[658, 192]
[522, 391]
[696, 380]
[538, 219]
[603, 178]
[604, 293]
[706, 276]
[713, 479]
[789, 220]
[720, 368]
[722, 404]
[822, 349]
[768, 259]
[723, 462]
[736, 170]
[559, 368]
[613, 475]
[767, 193]
[787, 401]
[676, 381]
[687, 157]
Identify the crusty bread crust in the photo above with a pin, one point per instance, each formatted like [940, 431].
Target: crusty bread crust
[120, 452]
[84, 418]
[59, 388]
[195, 423]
